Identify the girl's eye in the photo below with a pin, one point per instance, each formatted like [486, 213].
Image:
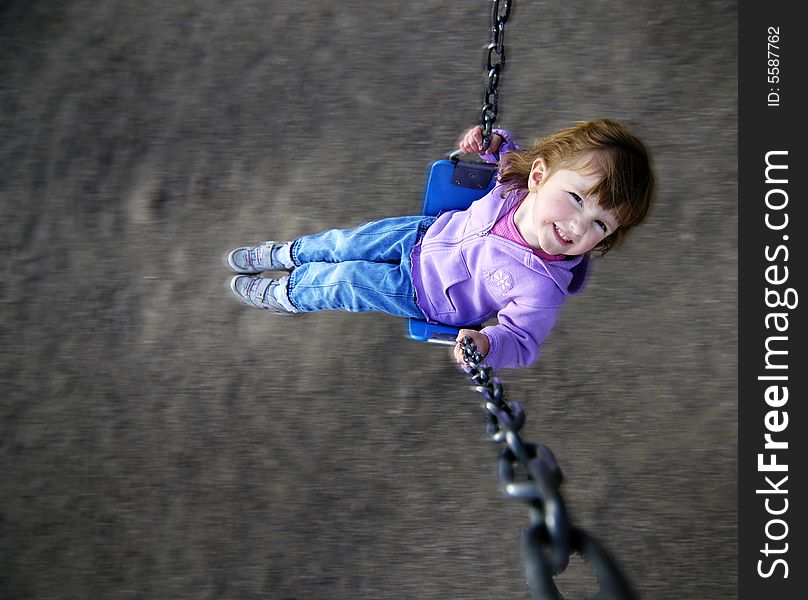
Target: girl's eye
[603, 226]
[577, 198]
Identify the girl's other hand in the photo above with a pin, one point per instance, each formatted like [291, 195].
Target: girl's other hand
[472, 142]
[480, 340]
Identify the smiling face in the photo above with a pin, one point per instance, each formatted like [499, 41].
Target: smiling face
[559, 216]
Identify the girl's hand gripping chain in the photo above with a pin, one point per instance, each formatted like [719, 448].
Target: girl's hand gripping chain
[472, 142]
[480, 340]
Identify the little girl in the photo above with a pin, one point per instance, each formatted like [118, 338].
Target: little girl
[515, 254]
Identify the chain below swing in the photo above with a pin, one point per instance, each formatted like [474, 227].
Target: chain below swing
[529, 472]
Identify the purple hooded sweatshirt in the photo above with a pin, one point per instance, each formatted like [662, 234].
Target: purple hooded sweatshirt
[465, 275]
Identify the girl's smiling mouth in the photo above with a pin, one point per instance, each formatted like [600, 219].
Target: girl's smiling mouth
[561, 234]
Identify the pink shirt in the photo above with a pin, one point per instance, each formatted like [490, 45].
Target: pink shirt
[506, 228]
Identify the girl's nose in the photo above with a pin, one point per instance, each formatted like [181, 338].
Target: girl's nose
[578, 225]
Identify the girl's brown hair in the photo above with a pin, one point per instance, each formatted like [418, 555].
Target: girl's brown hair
[604, 147]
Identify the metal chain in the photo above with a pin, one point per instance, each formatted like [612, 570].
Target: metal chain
[529, 472]
[494, 65]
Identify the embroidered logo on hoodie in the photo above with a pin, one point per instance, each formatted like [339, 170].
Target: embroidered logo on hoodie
[500, 279]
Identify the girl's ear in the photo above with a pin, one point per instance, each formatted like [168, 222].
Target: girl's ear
[537, 172]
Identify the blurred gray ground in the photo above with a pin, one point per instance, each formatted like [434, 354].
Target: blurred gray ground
[161, 441]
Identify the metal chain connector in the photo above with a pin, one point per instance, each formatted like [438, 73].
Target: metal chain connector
[529, 472]
[494, 65]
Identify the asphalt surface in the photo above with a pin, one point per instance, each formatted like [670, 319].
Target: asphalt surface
[160, 440]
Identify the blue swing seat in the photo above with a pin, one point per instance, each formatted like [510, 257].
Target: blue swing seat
[451, 185]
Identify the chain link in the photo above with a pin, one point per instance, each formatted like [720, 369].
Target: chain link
[529, 472]
[494, 65]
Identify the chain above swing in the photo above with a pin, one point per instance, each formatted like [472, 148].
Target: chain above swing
[495, 64]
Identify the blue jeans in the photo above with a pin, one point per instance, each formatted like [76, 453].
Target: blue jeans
[366, 269]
